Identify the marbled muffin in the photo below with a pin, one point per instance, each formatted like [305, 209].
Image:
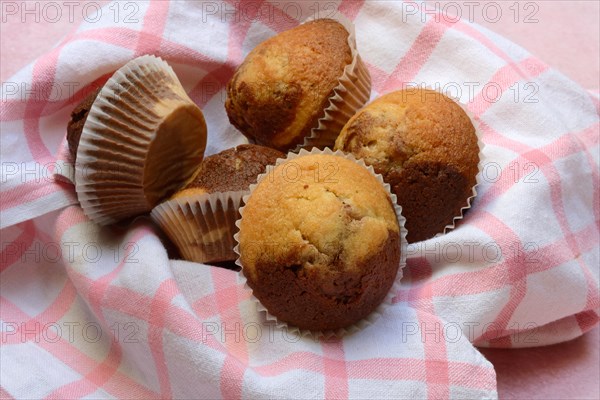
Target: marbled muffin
[319, 242]
[282, 88]
[78, 117]
[142, 139]
[231, 170]
[200, 218]
[425, 146]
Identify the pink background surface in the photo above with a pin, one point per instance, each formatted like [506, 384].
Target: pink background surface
[566, 36]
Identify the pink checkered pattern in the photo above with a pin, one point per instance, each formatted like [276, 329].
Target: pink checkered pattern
[90, 312]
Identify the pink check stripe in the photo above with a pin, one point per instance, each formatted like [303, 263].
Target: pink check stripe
[94, 380]
[417, 55]
[13, 251]
[232, 372]
[335, 369]
[4, 395]
[505, 237]
[107, 369]
[505, 78]
[15, 109]
[494, 277]
[121, 386]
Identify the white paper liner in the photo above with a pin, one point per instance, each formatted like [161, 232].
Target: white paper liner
[118, 134]
[387, 301]
[480, 164]
[201, 225]
[351, 93]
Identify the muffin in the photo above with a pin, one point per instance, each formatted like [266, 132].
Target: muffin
[319, 242]
[231, 170]
[200, 218]
[303, 84]
[143, 138]
[78, 117]
[425, 146]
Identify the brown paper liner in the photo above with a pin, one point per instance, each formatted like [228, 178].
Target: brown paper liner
[375, 314]
[351, 93]
[201, 225]
[142, 140]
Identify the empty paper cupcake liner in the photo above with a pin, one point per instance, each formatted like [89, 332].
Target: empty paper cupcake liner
[351, 93]
[113, 179]
[375, 314]
[201, 225]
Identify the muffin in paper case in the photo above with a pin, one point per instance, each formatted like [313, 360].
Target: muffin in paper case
[355, 298]
[428, 147]
[298, 89]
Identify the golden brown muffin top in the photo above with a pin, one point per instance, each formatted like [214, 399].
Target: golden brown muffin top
[231, 170]
[281, 89]
[413, 125]
[324, 213]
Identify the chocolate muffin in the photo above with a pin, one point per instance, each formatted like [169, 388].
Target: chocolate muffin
[78, 117]
[200, 218]
[281, 90]
[231, 170]
[319, 242]
[425, 146]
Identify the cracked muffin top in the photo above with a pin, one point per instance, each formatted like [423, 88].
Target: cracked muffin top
[424, 145]
[279, 92]
[319, 242]
[231, 170]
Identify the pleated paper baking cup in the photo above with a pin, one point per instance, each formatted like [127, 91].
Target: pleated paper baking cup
[480, 166]
[352, 92]
[201, 225]
[387, 301]
[143, 138]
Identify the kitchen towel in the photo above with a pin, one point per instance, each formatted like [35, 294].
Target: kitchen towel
[96, 312]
